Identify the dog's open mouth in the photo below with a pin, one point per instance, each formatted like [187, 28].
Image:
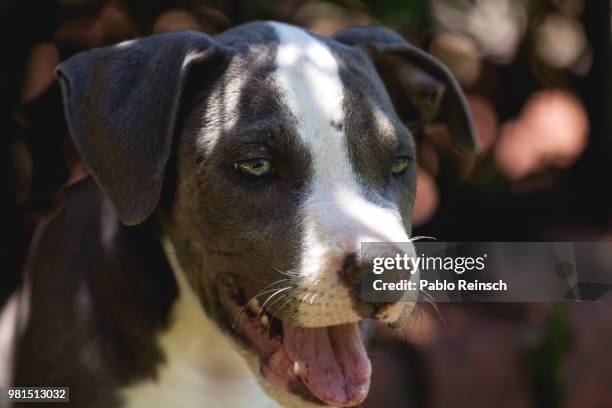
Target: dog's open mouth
[327, 365]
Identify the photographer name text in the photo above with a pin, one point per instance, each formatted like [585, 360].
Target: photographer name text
[441, 285]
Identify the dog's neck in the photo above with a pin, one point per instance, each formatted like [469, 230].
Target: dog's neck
[201, 365]
[193, 332]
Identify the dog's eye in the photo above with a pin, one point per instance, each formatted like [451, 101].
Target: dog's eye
[399, 166]
[254, 167]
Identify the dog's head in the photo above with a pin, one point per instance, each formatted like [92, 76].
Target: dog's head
[268, 154]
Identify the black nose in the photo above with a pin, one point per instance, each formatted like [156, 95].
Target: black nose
[350, 273]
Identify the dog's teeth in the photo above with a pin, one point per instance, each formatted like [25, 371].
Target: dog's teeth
[264, 321]
[254, 306]
[296, 368]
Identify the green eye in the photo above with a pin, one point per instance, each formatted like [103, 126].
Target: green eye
[254, 167]
[400, 164]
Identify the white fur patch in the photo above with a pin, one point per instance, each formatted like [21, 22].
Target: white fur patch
[202, 367]
[337, 216]
[9, 322]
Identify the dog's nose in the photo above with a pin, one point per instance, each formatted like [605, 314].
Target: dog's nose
[350, 273]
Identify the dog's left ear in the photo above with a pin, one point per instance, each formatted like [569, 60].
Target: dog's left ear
[121, 105]
[423, 90]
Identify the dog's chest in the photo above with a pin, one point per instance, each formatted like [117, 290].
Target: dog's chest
[198, 375]
[202, 369]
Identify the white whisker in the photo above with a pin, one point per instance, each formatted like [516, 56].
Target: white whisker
[417, 238]
[284, 304]
[288, 273]
[303, 300]
[271, 296]
[263, 291]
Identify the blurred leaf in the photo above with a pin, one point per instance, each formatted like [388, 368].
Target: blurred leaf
[400, 12]
[547, 360]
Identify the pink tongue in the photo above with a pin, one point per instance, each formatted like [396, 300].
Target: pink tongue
[333, 362]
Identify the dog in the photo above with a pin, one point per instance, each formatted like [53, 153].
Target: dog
[217, 244]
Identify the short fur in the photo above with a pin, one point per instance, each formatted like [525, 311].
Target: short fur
[160, 123]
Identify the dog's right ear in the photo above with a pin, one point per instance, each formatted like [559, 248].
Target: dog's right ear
[121, 105]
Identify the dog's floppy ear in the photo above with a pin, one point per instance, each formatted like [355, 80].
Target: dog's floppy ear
[121, 105]
[413, 75]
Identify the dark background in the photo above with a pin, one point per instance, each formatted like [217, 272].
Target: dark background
[537, 76]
